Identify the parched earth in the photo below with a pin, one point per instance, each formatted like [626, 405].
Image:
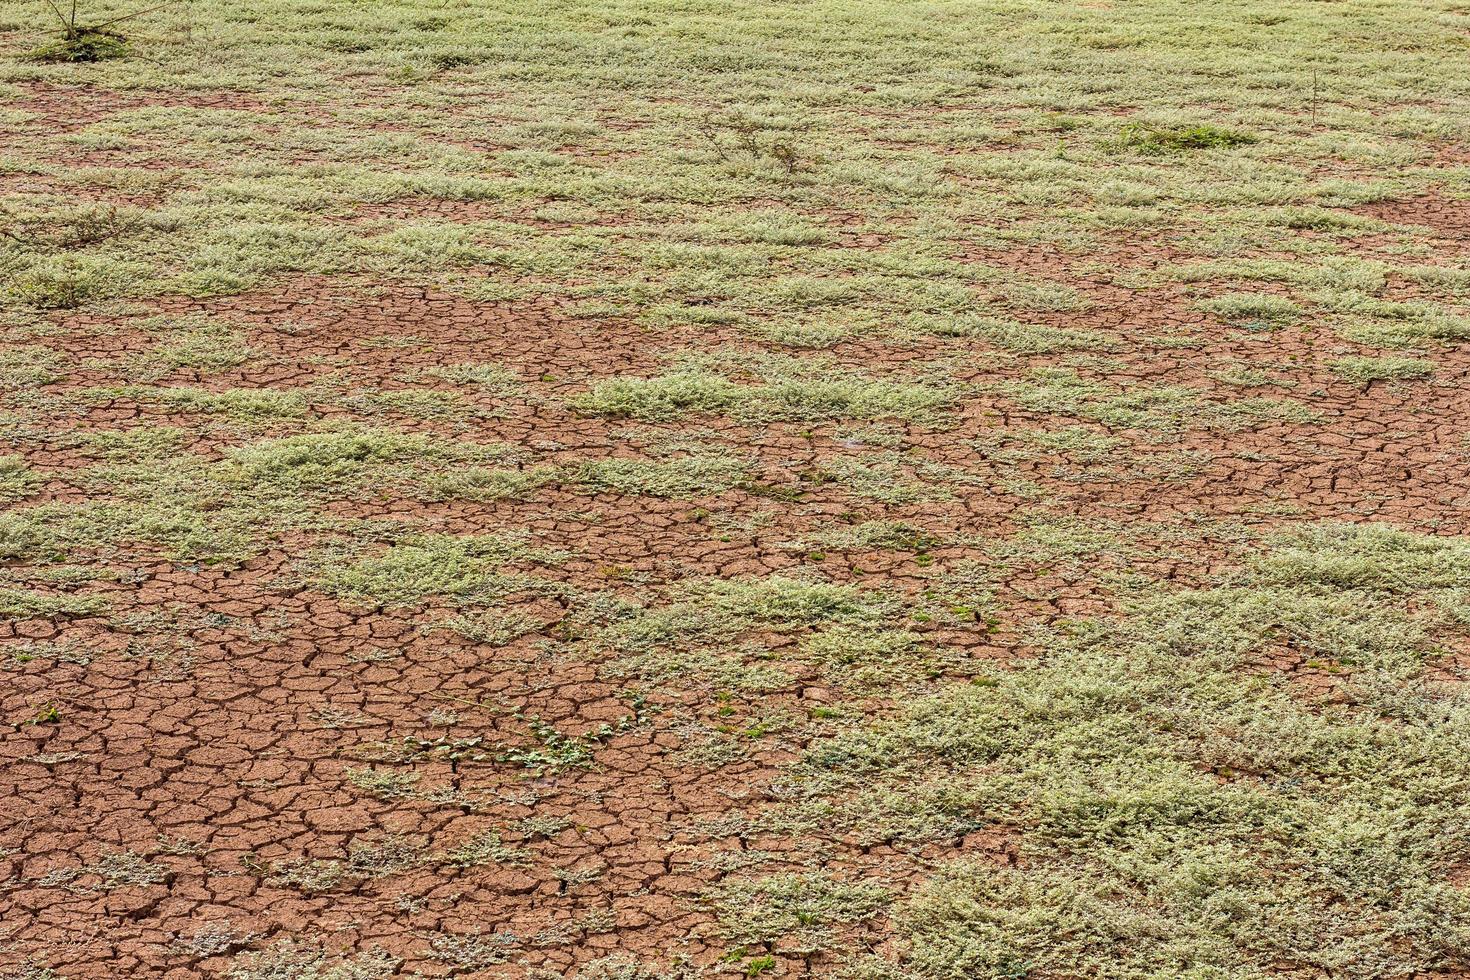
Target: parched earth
[356, 623]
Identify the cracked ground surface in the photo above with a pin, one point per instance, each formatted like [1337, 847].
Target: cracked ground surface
[842, 490]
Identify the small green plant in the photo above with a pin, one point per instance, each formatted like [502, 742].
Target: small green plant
[485, 848]
[383, 784]
[110, 871]
[788, 388]
[491, 627]
[25, 366]
[891, 535]
[1166, 140]
[81, 42]
[49, 715]
[751, 139]
[198, 346]
[759, 965]
[491, 378]
[1063, 391]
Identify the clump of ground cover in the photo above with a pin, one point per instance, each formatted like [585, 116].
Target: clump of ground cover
[889, 477]
[796, 912]
[24, 366]
[245, 405]
[1352, 294]
[1407, 328]
[343, 460]
[203, 348]
[486, 377]
[779, 388]
[17, 480]
[710, 631]
[21, 603]
[464, 569]
[884, 534]
[484, 483]
[1365, 369]
[228, 510]
[688, 475]
[289, 959]
[1081, 444]
[1253, 310]
[1063, 391]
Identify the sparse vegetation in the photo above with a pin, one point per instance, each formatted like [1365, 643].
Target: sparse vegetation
[967, 491]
